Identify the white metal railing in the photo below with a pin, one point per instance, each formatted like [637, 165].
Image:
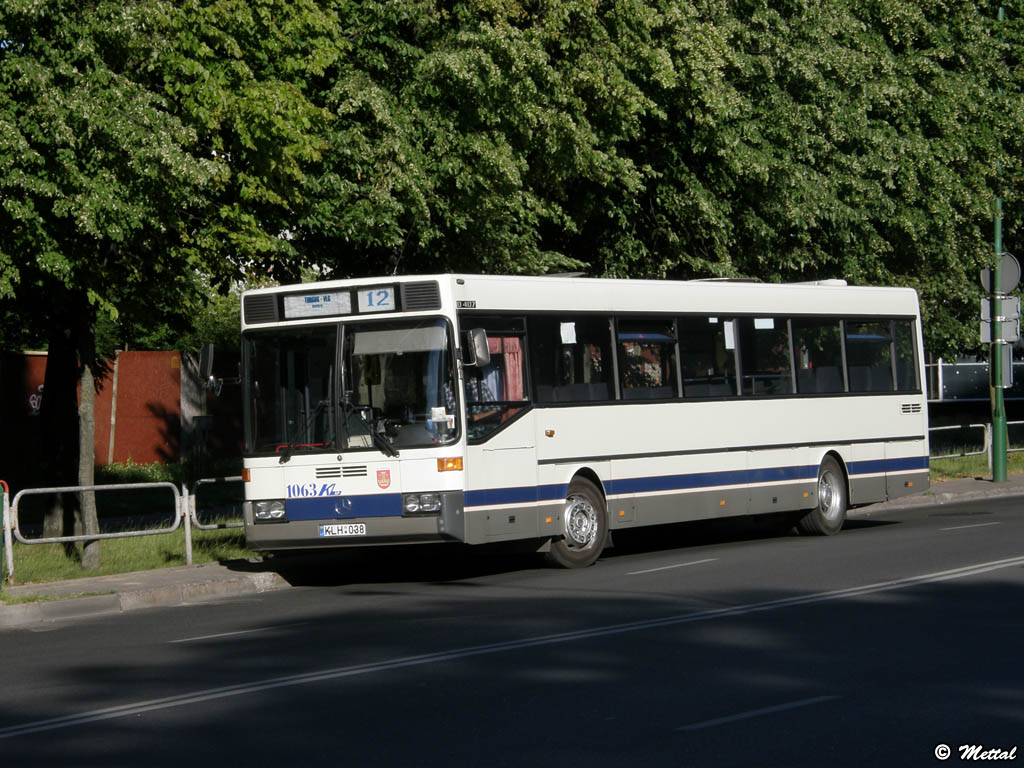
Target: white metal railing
[186, 516]
[986, 446]
[986, 442]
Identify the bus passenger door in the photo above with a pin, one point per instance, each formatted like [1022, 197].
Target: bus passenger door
[501, 480]
[501, 457]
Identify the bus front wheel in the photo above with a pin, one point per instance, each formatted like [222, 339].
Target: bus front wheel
[586, 527]
[829, 515]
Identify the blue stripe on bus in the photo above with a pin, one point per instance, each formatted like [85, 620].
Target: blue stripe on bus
[390, 504]
[736, 478]
[344, 507]
[877, 466]
[709, 479]
[518, 495]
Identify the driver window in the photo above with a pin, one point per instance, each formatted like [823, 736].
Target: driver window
[496, 392]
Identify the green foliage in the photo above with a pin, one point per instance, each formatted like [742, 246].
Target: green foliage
[153, 153]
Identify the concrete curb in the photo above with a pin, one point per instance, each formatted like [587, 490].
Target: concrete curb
[931, 499]
[176, 594]
[73, 607]
[23, 614]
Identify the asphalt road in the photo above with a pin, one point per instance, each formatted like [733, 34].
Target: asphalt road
[703, 645]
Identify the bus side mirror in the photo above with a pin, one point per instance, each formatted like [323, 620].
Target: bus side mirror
[206, 369]
[206, 361]
[477, 350]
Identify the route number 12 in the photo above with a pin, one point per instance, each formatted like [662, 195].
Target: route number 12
[377, 300]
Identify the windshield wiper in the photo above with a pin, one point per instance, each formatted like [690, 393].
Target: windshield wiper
[385, 445]
[379, 438]
[290, 447]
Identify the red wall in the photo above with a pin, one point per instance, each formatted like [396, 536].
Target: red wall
[147, 418]
[147, 424]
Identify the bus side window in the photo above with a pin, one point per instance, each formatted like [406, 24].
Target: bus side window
[907, 378]
[707, 352]
[647, 358]
[818, 348]
[869, 355]
[572, 359]
[764, 356]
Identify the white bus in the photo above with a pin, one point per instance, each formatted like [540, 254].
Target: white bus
[556, 410]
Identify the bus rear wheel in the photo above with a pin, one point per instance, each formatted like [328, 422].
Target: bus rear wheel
[828, 516]
[586, 527]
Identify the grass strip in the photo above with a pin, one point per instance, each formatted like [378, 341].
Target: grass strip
[56, 562]
[971, 466]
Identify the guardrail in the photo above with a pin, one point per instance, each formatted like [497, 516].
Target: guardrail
[186, 516]
[7, 549]
[986, 447]
[193, 492]
[189, 496]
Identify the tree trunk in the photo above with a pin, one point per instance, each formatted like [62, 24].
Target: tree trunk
[87, 465]
[69, 426]
[59, 424]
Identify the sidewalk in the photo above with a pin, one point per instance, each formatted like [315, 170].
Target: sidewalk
[98, 595]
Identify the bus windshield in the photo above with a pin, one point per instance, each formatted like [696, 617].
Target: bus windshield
[398, 380]
[393, 388]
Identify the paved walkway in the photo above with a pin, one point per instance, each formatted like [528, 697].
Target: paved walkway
[97, 595]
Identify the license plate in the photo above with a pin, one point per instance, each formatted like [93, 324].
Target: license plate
[343, 529]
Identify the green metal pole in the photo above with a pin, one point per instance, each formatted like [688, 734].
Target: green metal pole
[995, 355]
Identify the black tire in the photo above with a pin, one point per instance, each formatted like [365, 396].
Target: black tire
[586, 526]
[829, 514]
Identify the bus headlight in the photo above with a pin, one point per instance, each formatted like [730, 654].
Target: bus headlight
[421, 503]
[268, 511]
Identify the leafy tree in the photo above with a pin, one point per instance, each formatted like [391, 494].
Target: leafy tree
[141, 144]
[94, 179]
[784, 141]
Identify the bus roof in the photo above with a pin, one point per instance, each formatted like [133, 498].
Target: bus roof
[514, 293]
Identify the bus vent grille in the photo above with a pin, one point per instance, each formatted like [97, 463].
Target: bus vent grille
[326, 473]
[421, 296]
[261, 309]
[910, 408]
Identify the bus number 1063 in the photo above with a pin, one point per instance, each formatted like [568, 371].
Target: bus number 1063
[310, 490]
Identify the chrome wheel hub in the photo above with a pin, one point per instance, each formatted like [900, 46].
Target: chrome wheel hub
[580, 522]
[829, 496]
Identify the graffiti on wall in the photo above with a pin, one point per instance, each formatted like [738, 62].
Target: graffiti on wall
[35, 400]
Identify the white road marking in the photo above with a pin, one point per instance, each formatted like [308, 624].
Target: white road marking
[670, 567]
[455, 654]
[233, 634]
[962, 527]
[756, 713]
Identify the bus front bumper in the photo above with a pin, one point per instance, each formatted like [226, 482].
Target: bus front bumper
[328, 532]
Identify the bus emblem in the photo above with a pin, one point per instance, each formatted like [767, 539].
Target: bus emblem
[383, 478]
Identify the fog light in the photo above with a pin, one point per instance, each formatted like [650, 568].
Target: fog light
[269, 511]
[430, 502]
[421, 503]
